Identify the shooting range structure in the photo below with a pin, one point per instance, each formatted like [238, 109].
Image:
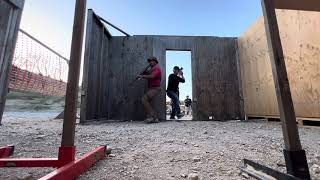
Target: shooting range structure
[67, 166]
[105, 86]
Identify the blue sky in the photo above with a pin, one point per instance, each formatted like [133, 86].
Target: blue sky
[51, 21]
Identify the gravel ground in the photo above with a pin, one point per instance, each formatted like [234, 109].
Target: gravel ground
[167, 150]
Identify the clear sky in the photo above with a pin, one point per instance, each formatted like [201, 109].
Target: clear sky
[51, 21]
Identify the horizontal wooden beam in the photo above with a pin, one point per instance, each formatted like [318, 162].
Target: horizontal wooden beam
[303, 5]
[18, 3]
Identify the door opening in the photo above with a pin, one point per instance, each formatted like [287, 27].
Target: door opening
[182, 59]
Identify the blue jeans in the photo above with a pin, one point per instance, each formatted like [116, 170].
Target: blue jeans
[175, 103]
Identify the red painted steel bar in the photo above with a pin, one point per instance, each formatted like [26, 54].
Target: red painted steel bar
[68, 167]
[6, 151]
[66, 155]
[29, 162]
[77, 167]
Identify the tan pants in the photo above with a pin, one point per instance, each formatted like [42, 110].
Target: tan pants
[146, 101]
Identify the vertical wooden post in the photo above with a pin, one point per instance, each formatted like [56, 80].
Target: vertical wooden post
[69, 121]
[295, 157]
[10, 17]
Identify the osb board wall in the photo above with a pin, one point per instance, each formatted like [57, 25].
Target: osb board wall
[300, 39]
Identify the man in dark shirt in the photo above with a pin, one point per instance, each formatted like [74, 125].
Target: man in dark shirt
[173, 91]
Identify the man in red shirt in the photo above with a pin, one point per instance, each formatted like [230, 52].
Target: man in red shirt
[154, 81]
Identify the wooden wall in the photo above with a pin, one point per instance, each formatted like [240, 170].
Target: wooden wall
[94, 90]
[214, 69]
[216, 81]
[214, 75]
[128, 57]
[10, 16]
[300, 38]
[111, 63]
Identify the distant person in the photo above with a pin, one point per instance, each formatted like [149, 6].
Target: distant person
[154, 81]
[173, 91]
[188, 105]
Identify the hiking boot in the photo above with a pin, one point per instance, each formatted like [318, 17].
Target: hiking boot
[180, 116]
[148, 120]
[155, 120]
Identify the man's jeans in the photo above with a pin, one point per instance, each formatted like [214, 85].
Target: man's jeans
[175, 103]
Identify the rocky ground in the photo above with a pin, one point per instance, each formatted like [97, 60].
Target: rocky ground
[168, 150]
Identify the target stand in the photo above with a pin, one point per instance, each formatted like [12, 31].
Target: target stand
[67, 166]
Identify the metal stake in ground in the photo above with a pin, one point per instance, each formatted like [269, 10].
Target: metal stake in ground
[295, 157]
[73, 75]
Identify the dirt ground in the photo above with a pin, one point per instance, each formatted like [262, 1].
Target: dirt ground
[167, 150]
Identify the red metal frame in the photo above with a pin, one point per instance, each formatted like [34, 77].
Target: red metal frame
[6, 151]
[68, 167]
[77, 167]
[29, 162]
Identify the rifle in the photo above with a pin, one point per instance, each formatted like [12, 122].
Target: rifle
[142, 72]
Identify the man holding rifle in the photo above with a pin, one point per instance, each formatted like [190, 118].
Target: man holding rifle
[154, 81]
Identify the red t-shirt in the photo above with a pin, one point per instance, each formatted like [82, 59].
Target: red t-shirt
[156, 80]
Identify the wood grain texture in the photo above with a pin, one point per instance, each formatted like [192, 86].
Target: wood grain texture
[304, 5]
[214, 69]
[301, 46]
[10, 16]
[95, 69]
[216, 81]
[128, 56]
[280, 77]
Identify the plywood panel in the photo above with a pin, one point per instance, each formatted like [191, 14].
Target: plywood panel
[94, 83]
[128, 56]
[159, 103]
[306, 5]
[10, 16]
[216, 78]
[301, 46]
[214, 69]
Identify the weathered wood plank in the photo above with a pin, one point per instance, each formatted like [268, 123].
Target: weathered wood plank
[216, 93]
[10, 17]
[304, 5]
[94, 85]
[86, 62]
[159, 51]
[217, 85]
[17, 3]
[70, 110]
